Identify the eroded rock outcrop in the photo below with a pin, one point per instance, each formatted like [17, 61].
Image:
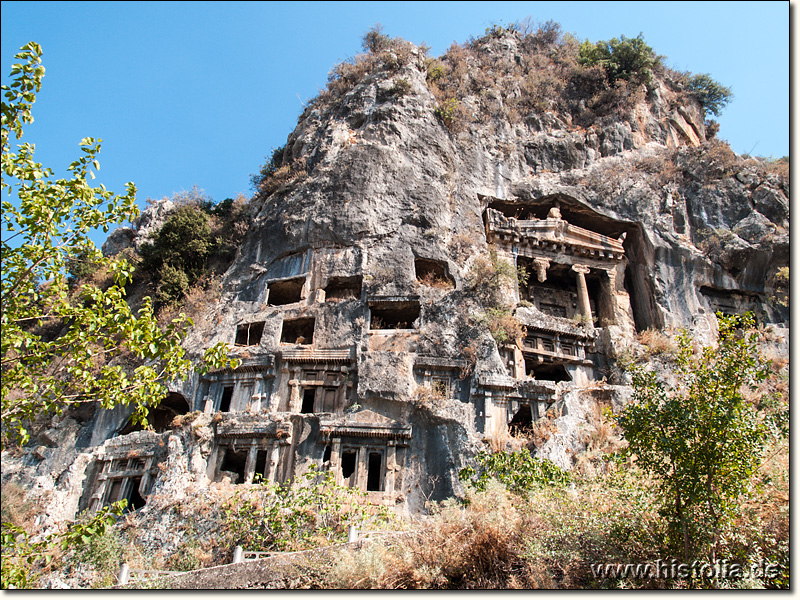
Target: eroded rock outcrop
[358, 300]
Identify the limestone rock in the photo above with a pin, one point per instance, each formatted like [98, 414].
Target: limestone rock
[377, 282]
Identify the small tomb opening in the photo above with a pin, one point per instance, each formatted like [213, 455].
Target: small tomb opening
[546, 371]
[135, 500]
[309, 395]
[394, 315]
[287, 291]
[732, 302]
[441, 385]
[432, 273]
[160, 417]
[234, 463]
[374, 467]
[343, 288]
[349, 466]
[261, 464]
[225, 401]
[298, 331]
[522, 420]
[249, 334]
[326, 455]
[124, 480]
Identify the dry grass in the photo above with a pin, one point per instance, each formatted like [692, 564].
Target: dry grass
[426, 396]
[544, 428]
[15, 508]
[602, 438]
[431, 279]
[656, 342]
[457, 548]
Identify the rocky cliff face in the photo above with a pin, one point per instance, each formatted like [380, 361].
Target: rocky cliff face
[373, 301]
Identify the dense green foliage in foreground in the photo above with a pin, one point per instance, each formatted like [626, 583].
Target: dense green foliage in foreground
[700, 438]
[62, 346]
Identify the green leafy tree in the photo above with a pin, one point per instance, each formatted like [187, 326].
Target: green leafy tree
[46, 228]
[699, 437]
[311, 511]
[625, 58]
[518, 471]
[712, 95]
[23, 557]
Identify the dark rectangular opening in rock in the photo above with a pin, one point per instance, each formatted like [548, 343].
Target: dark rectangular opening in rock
[135, 500]
[349, 466]
[225, 401]
[261, 464]
[546, 371]
[557, 295]
[343, 288]
[326, 455]
[235, 462]
[399, 315]
[374, 479]
[731, 302]
[432, 273]
[249, 334]
[287, 291]
[298, 331]
[599, 299]
[522, 420]
[309, 394]
[441, 385]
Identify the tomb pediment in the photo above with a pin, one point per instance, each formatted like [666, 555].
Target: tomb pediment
[309, 355]
[437, 363]
[552, 234]
[244, 425]
[364, 423]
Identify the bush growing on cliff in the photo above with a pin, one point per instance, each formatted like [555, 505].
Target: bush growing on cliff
[625, 58]
[23, 558]
[268, 169]
[712, 95]
[196, 236]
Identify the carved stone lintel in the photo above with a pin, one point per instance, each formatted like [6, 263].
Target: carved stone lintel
[541, 265]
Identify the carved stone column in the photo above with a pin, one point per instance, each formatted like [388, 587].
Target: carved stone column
[274, 458]
[583, 292]
[391, 467]
[250, 464]
[294, 391]
[361, 468]
[541, 265]
[336, 451]
[488, 412]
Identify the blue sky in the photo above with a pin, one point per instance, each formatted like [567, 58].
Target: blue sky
[197, 93]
